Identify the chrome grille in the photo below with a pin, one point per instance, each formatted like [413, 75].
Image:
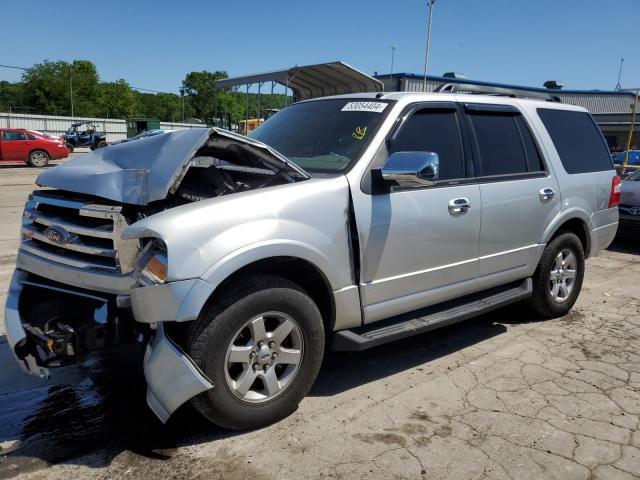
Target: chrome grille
[77, 233]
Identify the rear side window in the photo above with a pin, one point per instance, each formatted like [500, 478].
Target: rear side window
[11, 135]
[434, 131]
[577, 139]
[504, 142]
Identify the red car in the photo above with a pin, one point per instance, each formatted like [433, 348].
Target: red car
[34, 148]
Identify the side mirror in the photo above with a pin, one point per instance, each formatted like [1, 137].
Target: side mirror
[411, 169]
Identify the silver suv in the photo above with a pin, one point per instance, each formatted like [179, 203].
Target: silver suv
[344, 222]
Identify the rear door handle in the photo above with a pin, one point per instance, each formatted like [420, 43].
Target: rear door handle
[546, 194]
[459, 206]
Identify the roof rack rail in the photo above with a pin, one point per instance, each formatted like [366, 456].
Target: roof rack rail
[497, 91]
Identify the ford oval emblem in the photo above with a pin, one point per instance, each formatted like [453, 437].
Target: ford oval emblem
[60, 235]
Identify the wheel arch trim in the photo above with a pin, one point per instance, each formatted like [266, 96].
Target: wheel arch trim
[562, 219]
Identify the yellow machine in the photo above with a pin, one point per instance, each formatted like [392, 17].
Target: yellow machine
[247, 126]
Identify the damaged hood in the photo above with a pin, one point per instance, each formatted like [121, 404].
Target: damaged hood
[143, 171]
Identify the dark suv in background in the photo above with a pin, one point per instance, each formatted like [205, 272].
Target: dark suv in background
[629, 226]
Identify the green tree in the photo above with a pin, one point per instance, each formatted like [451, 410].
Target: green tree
[165, 106]
[12, 97]
[201, 88]
[116, 100]
[48, 85]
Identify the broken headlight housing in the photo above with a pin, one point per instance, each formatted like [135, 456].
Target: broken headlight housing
[152, 264]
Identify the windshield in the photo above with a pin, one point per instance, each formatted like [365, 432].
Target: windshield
[324, 135]
[635, 176]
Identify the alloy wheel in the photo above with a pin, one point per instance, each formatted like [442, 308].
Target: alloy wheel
[563, 275]
[263, 357]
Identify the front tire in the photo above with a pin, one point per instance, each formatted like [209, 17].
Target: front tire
[558, 278]
[38, 158]
[261, 344]
[101, 144]
[69, 147]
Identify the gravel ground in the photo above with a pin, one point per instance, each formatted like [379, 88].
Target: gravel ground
[504, 396]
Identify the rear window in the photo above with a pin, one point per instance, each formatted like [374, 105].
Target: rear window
[577, 139]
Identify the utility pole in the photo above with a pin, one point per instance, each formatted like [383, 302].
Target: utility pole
[71, 88]
[393, 53]
[182, 95]
[634, 107]
[619, 85]
[426, 52]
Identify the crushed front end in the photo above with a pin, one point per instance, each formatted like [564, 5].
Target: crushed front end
[81, 284]
[70, 292]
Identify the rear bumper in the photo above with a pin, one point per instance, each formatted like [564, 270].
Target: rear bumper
[603, 227]
[59, 152]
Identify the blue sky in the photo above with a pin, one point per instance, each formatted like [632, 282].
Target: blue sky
[154, 44]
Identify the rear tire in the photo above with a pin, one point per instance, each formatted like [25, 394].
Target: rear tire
[244, 322]
[558, 278]
[101, 144]
[38, 158]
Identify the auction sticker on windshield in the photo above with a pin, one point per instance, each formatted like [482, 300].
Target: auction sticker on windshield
[377, 107]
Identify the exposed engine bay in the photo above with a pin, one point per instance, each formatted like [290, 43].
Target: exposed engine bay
[223, 166]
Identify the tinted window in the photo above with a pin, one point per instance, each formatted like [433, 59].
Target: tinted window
[434, 131]
[499, 144]
[10, 135]
[577, 139]
[31, 137]
[534, 161]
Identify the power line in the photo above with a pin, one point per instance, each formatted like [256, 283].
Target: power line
[130, 86]
[13, 66]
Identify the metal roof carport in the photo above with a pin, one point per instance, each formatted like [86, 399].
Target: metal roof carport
[311, 81]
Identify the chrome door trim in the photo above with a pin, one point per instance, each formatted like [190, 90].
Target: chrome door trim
[459, 206]
[546, 194]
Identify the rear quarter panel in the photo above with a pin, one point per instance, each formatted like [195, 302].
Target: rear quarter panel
[584, 195]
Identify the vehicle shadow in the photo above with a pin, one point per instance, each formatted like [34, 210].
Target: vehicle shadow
[11, 166]
[625, 245]
[99, 407]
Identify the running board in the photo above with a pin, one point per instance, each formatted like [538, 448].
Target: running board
[431, 318]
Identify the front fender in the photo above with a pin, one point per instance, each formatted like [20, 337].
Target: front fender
[242, 257]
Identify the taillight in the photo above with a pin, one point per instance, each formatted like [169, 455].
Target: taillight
[614, 198]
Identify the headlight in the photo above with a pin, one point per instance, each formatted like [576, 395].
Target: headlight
[152, 265]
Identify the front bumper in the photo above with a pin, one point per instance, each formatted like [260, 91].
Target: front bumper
[16, 334]
[178, 301]
[172, 378]
[629, 226]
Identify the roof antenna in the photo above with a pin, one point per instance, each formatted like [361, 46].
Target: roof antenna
[618, 85]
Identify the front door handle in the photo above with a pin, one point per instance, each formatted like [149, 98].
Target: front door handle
[546, 194]
[459, 206]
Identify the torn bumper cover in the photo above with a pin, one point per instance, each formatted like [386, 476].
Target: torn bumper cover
[47, 333]
[172, 378]
[16, 334]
